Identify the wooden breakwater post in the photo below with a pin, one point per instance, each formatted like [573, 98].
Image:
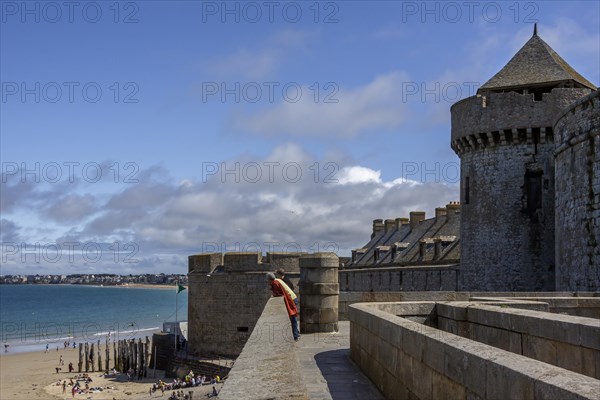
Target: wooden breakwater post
[99, 358]
[107, 361]
[92, 357]
[115, 359]
[133, 353]
[123, 356]
[146, 359]
[140, 358]
[136, 356]
[120, 356]
[80, 364]
[87, 357]
[129, 354]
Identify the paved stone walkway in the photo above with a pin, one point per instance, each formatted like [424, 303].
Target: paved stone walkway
[327, 369]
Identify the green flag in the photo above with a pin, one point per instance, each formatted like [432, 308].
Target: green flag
[180, 288]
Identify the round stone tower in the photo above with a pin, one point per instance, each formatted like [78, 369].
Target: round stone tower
[505, 140]
[319, 292]
[577, 134]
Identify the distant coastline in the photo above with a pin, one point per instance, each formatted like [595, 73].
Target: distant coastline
[123, 285]
[102, 279]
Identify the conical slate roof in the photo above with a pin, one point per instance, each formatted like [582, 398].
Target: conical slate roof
[535, 64]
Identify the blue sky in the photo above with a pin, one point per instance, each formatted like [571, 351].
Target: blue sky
[332, 113]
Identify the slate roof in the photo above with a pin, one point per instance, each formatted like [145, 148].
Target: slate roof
[536, 63]
[445, 227]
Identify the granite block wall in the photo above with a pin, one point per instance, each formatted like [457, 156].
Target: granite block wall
[578, 196]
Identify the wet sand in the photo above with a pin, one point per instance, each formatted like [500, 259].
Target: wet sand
[33, 376]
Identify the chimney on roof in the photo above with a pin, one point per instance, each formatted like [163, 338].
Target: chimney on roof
[452, 209]
[440, 212]
[390, 225]
[400, 222]
[415, 218]
[535, 29]
[377, 227]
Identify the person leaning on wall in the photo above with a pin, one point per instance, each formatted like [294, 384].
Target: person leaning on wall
[280, 289]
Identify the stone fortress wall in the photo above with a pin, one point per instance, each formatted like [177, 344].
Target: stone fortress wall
[506, 145]
[228, 292]
[577, 153]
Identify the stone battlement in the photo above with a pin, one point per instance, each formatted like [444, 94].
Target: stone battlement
[499, 119]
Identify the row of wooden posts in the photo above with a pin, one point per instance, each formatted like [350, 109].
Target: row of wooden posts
[127, 354]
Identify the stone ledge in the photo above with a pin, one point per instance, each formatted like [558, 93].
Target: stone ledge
[464, 365]
[268, 367]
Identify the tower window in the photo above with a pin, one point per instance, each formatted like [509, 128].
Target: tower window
[533, 192]
[467, 190]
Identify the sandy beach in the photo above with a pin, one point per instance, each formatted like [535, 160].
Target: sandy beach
[33, 376]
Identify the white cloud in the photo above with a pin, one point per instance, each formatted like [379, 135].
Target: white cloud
[357, 174]
[182, 219]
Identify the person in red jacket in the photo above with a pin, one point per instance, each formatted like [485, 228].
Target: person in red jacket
[280, 289]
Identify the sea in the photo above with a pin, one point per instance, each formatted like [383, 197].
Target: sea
[33, 316]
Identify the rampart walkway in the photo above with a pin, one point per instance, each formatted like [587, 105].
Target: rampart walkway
[273, 366]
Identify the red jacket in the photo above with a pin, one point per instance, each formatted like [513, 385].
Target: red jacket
[278, 291]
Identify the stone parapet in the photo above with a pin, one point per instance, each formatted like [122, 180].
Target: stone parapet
[204, 263]
[268, 366]
[504, 118]
[407, 359]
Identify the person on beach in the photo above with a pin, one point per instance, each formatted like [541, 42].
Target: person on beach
[60, 361]
[6, 348]
[280, 289]
[71, 367]
[47, 346]
[64, 385]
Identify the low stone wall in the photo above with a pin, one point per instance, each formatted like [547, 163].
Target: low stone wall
[583, 304]
[562, 340]
[268, 367]
[348, 298]
[577, 306]
[407, 359]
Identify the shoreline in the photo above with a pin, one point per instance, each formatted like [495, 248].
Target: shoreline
[16, 348]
